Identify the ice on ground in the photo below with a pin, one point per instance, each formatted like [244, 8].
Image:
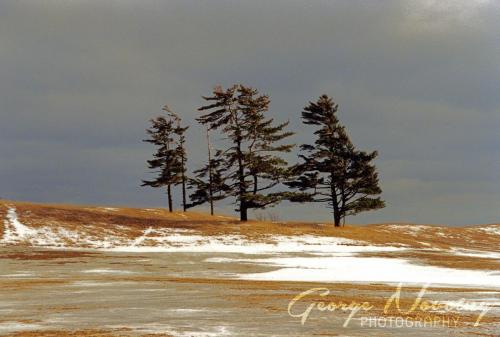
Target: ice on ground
[471, 305]
[19, 275]
[475, 253]
[170, 240]
[99, 284]
[370, 269]
[107, 271]
[329, 259]
[7, 327]
[154, 328]
[186, 311]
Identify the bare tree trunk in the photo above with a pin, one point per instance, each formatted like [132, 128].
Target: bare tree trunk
[183, 185]
[241, 176]
[243, 212]
[336, 210]
[336, 218]
[169, 195]
[242, 190]
[210, 182]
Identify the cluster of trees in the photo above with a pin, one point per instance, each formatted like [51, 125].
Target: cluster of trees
[249, 167]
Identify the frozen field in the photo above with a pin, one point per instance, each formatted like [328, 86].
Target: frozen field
[179, 281]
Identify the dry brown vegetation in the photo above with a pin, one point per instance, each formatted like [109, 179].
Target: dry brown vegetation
[275, 296]
[3, 213]
[81, 333]
[289, 285]
[279, 301]
[272, 296]
[129, 223]
[46, 255]
[22, 284]
[132, 221]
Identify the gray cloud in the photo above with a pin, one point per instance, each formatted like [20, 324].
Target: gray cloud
[416, 80]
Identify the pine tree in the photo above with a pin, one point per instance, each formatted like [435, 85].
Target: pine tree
[332, 171]
[180, 131]
[209, 183]
[250, 165]
[168, 160]
[265, 169]
[210, 171]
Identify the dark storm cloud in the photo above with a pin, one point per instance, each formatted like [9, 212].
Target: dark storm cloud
[416, 80]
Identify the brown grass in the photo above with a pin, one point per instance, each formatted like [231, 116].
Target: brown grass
[280, 285]
[22, 284]
[3, 214]
[80, 333]
[268, 301]
[46, 255]
[270, 295]
[133, 221]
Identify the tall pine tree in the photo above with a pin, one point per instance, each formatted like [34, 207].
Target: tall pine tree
[251, 164]
[180, 131]
[169, 159]
[208, 183]
[332, 171]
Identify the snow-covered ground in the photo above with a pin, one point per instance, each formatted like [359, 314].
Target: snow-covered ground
[294, 258]
[370, 269]
[168, 240]
[53, 236]
[475, 253]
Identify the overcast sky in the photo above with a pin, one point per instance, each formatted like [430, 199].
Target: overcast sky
[417, 80]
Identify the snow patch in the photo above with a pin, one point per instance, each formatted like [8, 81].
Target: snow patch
[369, 269]
[179, 240]
[470, 305]
[98, 284]
[19, 275]
[110, 209]
[408, 229]
[15, 231]
[475, 253]
[17, 326]
[58, 237]
[107, 271]
[165, 328]
[173, 240]
[492, 229]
